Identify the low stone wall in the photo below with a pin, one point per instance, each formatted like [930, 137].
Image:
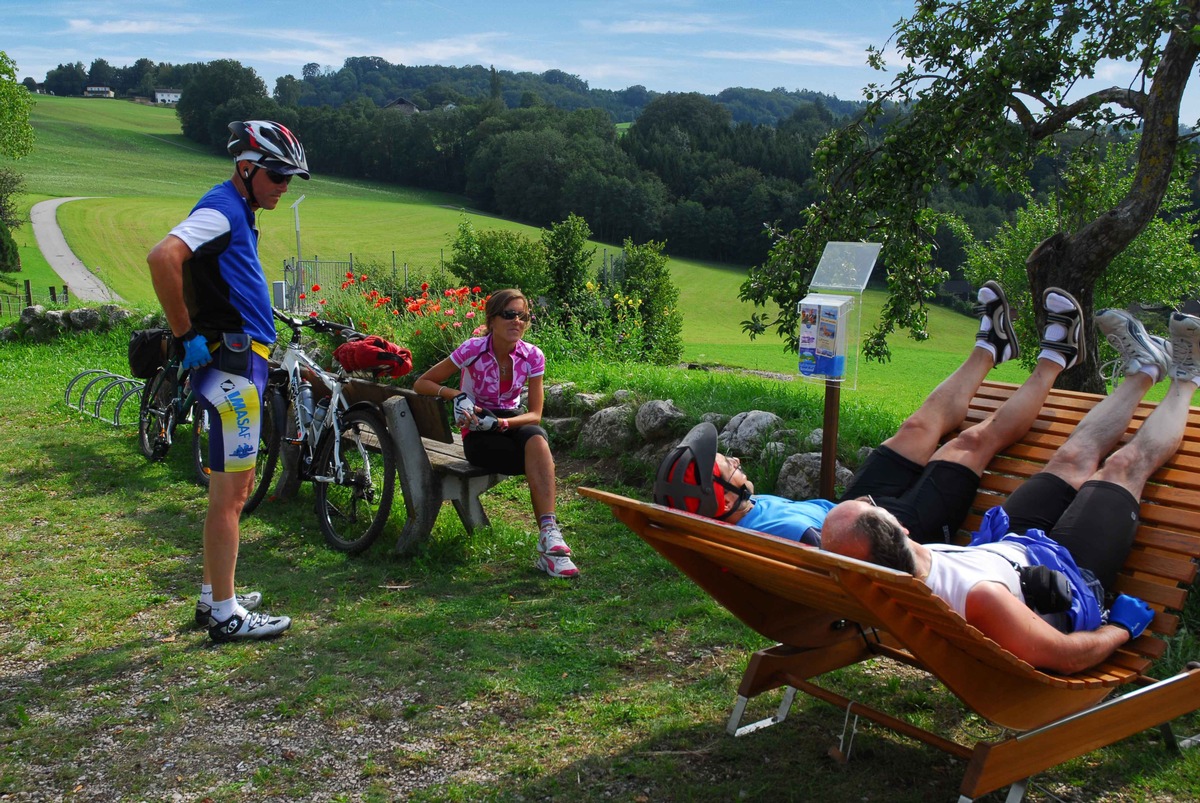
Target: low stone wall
[590, 424]
[41, 325]
[618, 424]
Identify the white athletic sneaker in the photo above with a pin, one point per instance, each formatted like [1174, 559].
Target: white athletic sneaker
[551, 542]
[1185, 345]
[1137, 348]
[252, 626]
[557, 566]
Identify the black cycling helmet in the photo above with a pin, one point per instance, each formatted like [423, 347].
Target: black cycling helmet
[268, 144]
[687, 474]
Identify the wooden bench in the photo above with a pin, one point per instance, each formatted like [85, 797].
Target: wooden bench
[827, 611]
[432, 467]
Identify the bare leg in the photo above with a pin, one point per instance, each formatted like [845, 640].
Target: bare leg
[1099, 432]
[976, 446]
[942, 411]
[1154, 443]
[227, 493]
[539, 472]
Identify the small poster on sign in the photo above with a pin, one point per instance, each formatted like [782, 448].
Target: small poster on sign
[824, 324]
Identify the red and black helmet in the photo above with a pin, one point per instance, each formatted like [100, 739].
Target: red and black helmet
[687, 474]
[268, 144]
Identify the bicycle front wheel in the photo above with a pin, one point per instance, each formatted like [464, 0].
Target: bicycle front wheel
[354, 494]
[156, 415]
[268, 448]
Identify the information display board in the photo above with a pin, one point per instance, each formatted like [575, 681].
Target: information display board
[831, 314]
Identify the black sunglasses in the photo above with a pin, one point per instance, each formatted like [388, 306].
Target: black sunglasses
[512, 315]
[278, 178]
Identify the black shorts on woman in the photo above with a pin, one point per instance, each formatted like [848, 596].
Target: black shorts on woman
[501, 452]
[1096, 523]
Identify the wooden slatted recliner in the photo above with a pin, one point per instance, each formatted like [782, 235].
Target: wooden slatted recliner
[827, 611]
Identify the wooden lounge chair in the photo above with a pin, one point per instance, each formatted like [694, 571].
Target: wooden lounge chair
[827, 611]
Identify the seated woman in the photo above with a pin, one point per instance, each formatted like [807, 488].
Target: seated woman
[497, 434]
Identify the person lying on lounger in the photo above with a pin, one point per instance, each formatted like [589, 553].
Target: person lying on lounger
[1075, 520]
[927, 487]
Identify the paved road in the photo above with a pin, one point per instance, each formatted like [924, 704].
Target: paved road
[81, 282]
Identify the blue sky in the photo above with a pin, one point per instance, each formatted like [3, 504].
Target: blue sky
[664, 45]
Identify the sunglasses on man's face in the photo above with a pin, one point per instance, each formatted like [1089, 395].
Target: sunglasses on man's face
[278, 178]
[512, 315]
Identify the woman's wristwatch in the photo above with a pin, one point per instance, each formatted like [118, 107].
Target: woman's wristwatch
[503, 424]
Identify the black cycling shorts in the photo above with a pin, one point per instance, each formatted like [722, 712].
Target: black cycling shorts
[500, 452]
[1096, 524]
[931, 501]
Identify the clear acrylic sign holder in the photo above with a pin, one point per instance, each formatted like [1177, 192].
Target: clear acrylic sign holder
[830, 328]
[831, 314]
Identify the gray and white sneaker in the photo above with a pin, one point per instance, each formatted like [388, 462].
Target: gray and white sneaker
[248, 601]
[1185, 345]
[1129, 337]
[252, 626]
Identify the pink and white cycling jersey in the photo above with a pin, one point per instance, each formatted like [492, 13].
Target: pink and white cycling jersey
[481, 371]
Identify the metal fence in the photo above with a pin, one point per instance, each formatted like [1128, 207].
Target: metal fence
[299, 276]
[13, 303]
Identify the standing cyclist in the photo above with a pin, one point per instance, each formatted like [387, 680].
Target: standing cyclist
[211, 285]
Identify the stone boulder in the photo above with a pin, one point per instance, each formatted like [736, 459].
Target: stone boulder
[746, 433]
[609, 431]
[800, 476]
[658, 419]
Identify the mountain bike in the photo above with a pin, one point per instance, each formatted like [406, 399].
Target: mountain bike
[166, 401]
[345, 450]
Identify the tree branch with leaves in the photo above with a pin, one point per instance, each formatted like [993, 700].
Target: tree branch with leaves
[987, 88]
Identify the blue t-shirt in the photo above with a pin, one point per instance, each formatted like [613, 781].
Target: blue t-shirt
[785, 518]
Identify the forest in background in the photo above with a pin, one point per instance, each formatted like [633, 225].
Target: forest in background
[705, 174]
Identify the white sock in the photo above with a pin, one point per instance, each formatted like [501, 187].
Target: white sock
[986, 346]
[986, 296]
[1153, 371]
[1052, 356]
[206, 593]
[223, 609]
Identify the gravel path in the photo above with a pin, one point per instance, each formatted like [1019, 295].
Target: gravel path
[82, 283]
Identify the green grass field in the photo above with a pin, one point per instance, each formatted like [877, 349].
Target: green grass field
[143, 177]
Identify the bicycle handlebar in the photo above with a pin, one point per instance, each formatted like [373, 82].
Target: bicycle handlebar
[318, 324]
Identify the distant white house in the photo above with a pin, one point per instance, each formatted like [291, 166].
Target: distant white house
[97, 91]
[167, 95]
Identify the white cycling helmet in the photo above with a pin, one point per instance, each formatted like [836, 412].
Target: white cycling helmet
[268, 144]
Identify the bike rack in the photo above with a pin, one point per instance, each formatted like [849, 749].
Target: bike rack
[112, 392]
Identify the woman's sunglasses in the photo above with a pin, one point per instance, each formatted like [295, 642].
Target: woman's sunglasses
[512, 315]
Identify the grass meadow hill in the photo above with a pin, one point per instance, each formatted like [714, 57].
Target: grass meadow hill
[459, 674]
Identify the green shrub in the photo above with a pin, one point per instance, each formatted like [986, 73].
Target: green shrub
[496, 259]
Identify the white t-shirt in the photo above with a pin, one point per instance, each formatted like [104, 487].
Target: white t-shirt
[955, 570]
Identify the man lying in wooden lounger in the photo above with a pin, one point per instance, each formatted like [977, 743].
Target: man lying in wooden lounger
[1078, 515]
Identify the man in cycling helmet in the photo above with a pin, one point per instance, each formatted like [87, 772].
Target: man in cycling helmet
[208, 278]
[926, 485]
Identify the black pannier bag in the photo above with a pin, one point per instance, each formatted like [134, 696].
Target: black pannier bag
[148, 351]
